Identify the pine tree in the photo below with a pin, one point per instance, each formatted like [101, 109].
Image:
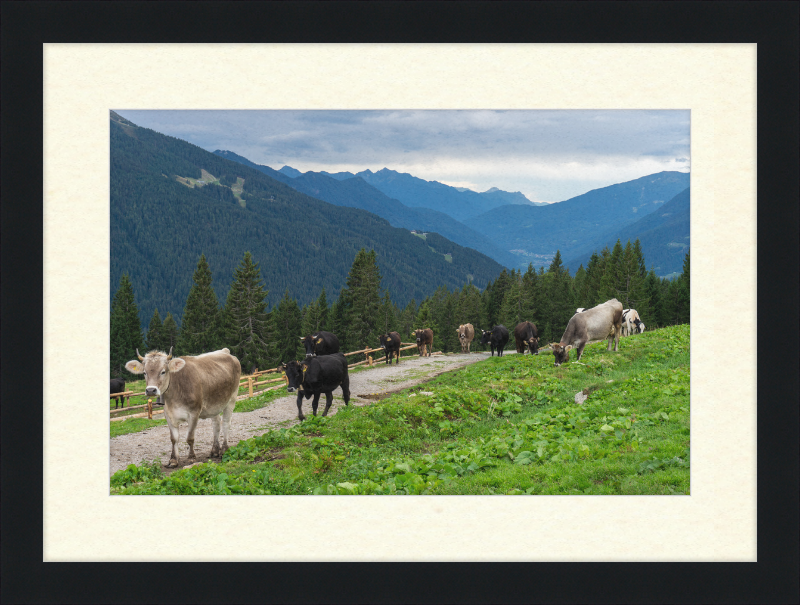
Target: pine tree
[155, 333]
[246, 318]
[287, 325]
[406, 320]
[511, 310]
[560, 298]
[683, 293]
[655, 318]
[169, 333]
[637, 250]
[201, 328]
[362, 299]
[610, 279]
[322, 304]
[387, 315]
[126, 331]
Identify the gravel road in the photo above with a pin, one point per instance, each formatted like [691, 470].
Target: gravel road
[155, 444]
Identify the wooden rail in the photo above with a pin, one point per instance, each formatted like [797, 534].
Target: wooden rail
[251, 382]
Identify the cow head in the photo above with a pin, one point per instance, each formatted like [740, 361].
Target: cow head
[293, 374]
[640, 326]
[486, 337]
[533, 345]
[385, 340]
[310, 343]
[157, 368]
[419, 334]
[560, 352]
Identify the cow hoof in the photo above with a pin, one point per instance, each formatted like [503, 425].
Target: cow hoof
[192, 459]
[172, 463]
[215, 452]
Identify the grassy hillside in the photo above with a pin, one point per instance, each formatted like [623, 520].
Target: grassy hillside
[507, 425]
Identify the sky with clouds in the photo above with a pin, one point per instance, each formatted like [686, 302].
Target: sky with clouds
[548, 155]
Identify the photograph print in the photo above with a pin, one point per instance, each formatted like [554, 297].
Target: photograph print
[399, 302]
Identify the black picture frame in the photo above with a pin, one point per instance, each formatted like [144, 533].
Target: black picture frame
[26, 26]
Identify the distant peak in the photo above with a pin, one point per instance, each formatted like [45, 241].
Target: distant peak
[492, 190]
[289, 171]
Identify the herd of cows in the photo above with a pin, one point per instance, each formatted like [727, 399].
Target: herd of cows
[206, 386]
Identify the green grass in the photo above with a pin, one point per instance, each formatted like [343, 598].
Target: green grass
[505, 425]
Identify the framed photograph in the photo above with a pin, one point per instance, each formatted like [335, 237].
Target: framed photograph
[716, 82]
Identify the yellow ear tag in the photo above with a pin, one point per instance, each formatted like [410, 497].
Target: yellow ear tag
[319, 341]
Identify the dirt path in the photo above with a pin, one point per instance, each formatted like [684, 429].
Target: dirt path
[365, 387]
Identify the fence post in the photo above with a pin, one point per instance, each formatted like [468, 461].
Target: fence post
[149, 409]
[250, 385]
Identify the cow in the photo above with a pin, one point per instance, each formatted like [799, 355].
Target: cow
[192, 387]
[424, 340]
[391, 346]
[118, 386]
[465, 335]
[597, 323]
[631, 322]
[525, 335]
[320, 343]
[314, 376]
[497, 337]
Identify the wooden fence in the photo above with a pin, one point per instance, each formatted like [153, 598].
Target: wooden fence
[251, 381]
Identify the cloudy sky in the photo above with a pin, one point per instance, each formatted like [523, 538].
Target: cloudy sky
[548, 155]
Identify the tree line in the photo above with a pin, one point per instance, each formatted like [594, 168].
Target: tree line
[264, 338]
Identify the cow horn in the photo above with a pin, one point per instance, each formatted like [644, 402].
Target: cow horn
[302, 339]
[139, 356]
[169, 355]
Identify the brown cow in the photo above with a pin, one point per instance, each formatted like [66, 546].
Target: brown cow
[525, 335]
[602, 321]
[424, 338]
[204, 386]
[465, 335]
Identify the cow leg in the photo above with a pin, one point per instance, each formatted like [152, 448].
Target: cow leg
[226, 422]
[215, 443]
[580, 350]
[173, 435]
[300, 406]
[328, 402]
[315, 403]
[346, 389]
[193, 418]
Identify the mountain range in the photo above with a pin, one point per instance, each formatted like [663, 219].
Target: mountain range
[663, 235]
[172, 201]
[519, 233]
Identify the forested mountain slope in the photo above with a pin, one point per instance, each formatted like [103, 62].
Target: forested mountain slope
[172, 201]
[354, 192]
[536, 232]
[663, 235]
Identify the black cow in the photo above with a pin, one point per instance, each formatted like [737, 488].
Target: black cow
[497, 337]
[320, 343]
[317, 375]
[118, 386]
[391, 346]
[525, 335]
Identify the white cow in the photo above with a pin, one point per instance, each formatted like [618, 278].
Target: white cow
[631, 322]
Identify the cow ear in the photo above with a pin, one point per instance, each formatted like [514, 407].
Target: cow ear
[176, 365]
[134, 367]
[567, 348]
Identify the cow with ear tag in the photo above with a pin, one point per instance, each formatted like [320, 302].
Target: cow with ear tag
[192, 388]
[320, 343]
[314, 376]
